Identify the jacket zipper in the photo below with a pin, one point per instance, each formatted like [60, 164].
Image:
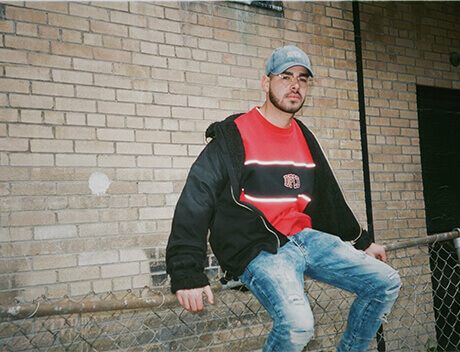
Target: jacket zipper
[353, 242]
[263, 220]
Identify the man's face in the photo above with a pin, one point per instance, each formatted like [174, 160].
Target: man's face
[287, 91]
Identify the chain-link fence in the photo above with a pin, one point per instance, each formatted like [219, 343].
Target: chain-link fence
[424, 318]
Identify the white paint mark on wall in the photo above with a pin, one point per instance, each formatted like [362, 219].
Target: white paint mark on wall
[99, 183]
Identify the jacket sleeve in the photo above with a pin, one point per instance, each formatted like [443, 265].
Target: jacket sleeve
[328, 209]
[187, 245]
[340, 219]
[364, 241]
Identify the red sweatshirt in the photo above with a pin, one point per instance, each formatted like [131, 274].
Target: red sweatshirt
[279, 171]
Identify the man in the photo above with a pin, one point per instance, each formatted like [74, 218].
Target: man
[275, 212]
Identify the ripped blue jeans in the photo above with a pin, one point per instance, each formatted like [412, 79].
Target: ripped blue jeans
[277, 281]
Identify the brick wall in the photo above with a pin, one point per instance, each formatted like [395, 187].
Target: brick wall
[127, 89]
[404, 44]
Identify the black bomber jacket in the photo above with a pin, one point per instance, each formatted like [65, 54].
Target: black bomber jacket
[238, 231]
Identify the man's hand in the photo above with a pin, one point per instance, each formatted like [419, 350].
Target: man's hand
[377, 251]
[192, 299]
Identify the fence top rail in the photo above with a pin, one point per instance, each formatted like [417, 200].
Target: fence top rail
[439, 237]
[153, 299]
[86, 305]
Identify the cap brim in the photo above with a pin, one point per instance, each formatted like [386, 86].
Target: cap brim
[288, 65]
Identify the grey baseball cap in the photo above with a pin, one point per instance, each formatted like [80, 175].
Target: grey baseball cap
[285, 57]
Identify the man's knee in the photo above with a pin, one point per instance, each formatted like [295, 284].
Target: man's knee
[394, 284]
[297, 322]
[389, 285]
[299, 332]
[300, 328]
[301, 337]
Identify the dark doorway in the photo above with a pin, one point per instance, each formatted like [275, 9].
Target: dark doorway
[439, 127]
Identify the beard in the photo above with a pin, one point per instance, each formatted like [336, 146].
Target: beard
[285, 106]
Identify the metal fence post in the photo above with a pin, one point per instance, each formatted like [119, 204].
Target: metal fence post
[457, 245]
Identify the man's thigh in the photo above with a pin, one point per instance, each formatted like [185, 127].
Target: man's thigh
[337, 263]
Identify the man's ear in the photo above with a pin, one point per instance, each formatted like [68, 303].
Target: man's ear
[266, 83]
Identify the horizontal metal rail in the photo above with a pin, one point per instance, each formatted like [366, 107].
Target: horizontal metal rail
[40, 309]
[445, 236]
[24, 311]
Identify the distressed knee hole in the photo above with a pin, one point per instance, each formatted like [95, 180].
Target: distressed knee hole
[301, 337]
[384, 318]
[395, 286]
[294, 299]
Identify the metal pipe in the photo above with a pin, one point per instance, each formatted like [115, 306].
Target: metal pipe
[423, 240]
[25, 311]
[21, 311]
[362, 118]
[364, 143]
[457, 245]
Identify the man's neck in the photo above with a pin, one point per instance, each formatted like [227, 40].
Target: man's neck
[275, 116]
